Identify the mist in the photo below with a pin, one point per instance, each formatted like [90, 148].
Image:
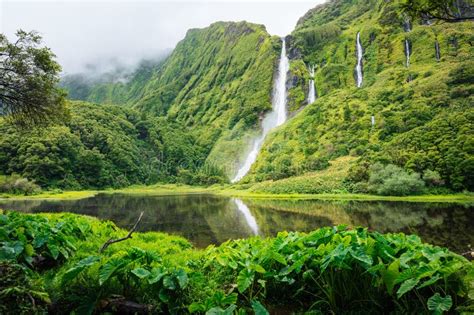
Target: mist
[97, 37]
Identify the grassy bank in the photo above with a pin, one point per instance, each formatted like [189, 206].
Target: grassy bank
[54, 262]
[235, 191]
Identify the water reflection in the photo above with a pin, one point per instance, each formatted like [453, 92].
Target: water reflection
[247, 215]
[208, 219]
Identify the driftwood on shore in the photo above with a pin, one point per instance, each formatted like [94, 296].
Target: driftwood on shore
[129, 235]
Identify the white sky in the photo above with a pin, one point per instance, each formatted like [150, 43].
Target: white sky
[82, 32]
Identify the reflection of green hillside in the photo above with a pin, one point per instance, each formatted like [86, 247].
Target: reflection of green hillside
[437, 223]
[209, 219]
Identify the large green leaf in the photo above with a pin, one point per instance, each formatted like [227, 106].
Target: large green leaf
[141, 272]
[362, 256]
[182, 278]
[108, 270]
[244, 279]
[390, 275]
[168, 283]
[54, 250]
[258, 308]
[156, 274]
[439, 304]
[80, 266]
[407, 286]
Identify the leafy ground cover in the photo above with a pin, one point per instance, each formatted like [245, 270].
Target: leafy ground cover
[60, 269]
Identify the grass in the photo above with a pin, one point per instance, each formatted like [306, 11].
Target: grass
[63, 195]
[232, 191]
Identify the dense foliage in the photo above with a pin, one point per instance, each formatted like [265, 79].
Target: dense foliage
[422, 114]
[216, 83]
[28, 80]
[191, 117]
[104, 146]
[328, 270]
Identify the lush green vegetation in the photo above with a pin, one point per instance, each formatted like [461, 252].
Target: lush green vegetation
[57, 260]
[189, 118]
[29, 76]
[15, 185]
[104, 146]
[216, 84]
[423, 114]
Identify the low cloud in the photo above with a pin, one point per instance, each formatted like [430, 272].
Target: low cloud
[87, 35]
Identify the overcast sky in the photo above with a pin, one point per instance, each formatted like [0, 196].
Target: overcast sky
[91, 32]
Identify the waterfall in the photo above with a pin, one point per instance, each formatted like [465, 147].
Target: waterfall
[274, 118]
[359, 61]
[249, 218]
[438, 52]
[407, 52]
[407, 28]
[372, 120]
[311, 90]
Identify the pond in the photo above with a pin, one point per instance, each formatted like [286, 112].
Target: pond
[209, 219]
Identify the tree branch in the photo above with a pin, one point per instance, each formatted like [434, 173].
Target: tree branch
[129, 235]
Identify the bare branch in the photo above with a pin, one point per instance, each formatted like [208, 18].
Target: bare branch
[129, 235]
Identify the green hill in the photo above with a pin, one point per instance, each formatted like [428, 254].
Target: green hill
[195, 112]
[216, 83]
[423, 113]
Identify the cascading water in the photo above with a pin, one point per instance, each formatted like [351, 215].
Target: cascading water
[273, 119]
[312, 89]
[407, 27]
[359, 61]
[407, 52]
[438, 52]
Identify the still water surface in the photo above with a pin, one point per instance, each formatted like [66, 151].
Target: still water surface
[209, 219]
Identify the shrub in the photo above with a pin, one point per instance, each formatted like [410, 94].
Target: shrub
[432, 178]
[15, 184]
[18, 293]
[393, 180]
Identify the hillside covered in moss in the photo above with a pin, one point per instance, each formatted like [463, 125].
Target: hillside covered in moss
[422, 111]
[192, 117]
[216, 83]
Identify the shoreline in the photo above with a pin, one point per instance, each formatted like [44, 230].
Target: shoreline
[174, 189]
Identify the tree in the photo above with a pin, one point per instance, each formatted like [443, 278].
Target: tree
[445, 10]
[28, 80]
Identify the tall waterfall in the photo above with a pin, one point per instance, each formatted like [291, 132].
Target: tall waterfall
[274, 118]
[438, 52]
[359, 61]
[312, 89]
[407, 52]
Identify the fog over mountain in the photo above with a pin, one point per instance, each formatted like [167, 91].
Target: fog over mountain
[108, 34]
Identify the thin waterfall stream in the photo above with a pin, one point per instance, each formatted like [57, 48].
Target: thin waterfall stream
[407, 28]
[359, 61]
[274, 118]
[437, 50]
[311, 89]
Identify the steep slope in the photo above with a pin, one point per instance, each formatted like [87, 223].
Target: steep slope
[422, 113]
[217, 83]
[120, 86]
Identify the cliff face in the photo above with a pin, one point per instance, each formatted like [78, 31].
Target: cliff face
[422, 112]
[216, 83]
